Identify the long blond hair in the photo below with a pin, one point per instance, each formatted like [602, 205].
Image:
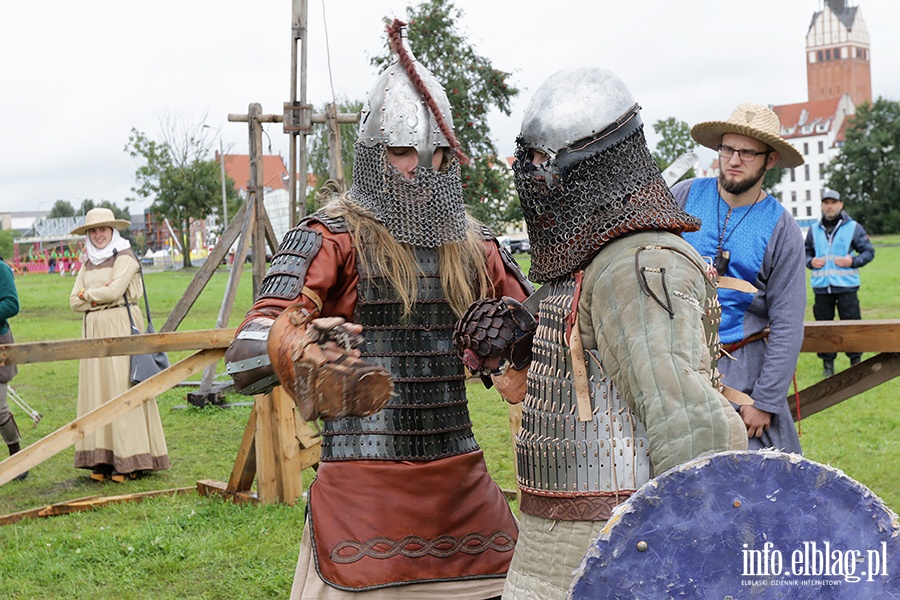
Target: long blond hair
[463, 265]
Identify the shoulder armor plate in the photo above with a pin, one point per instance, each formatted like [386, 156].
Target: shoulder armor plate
[333, 224]
[287, 273]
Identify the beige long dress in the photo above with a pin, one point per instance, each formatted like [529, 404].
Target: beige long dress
[135, 441]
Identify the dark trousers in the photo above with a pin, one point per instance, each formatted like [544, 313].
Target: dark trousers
[847, 304]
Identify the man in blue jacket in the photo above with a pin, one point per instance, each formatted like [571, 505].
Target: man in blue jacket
[836, 247]
[757, 249]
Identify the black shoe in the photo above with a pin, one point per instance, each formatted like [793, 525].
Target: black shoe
[854, 361]
[101, 472]
[828, 371]
[13, 448]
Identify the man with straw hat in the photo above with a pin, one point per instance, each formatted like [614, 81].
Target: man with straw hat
[757, 249]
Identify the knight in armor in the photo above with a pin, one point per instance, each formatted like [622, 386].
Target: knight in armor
[402, 505]
[622, 384]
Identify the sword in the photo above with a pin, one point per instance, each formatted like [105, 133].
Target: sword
[679, 167]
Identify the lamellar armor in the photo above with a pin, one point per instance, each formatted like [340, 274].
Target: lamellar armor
[570, 469]
[428, 416]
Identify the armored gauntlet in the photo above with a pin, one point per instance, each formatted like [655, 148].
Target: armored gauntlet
[493, 335]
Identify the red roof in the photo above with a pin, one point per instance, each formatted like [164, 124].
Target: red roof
[817, 112]
[275, 174]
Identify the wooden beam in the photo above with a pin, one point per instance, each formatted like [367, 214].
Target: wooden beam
[287, 446]
[234, 278]
[857, 379]
[36, 352]
[104, 414]
[307, 436]
[87, 503]
[210, 487]
[266, 470]
[851, 336]
[198, 283]
[244, 470]
[309, 457]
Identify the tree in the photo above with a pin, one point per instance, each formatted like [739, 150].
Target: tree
[474, 87]
[772, 180]
[318, 154]
[7, 237]
[184, 184]
[676, 140]
[61, 208]
[867, 170]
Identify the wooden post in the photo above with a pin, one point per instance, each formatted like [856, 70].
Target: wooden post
[266, 469]
[335, 162]
[287, 446]
[299, 17]
[249, 215]
[244, 470]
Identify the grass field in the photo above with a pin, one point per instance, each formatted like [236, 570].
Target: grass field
[188, 546]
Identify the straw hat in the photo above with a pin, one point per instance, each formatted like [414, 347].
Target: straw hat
[100, 217]
[753, 120]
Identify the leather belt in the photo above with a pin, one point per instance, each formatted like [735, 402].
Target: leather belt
[735, 346]
[106, 307]
[572, 507]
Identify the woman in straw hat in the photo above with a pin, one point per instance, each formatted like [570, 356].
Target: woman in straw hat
[757, 249]
[135, 442]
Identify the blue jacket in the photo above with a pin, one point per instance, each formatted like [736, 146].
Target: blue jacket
[847, 236]
[767, 251]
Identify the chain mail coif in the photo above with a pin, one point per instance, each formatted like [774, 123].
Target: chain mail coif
[606, 196]
[426, 210]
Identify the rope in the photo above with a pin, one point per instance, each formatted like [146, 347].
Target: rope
[406, 61]
[328, 53]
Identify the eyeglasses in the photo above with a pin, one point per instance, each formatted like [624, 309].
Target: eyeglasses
[746, 154]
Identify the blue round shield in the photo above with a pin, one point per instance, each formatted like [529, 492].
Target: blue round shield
[746, 525]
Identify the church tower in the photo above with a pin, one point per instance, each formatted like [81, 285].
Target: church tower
[837, 54]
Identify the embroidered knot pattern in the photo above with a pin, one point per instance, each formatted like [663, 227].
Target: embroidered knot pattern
[413, 546]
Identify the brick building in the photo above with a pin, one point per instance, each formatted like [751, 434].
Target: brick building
[838, 80]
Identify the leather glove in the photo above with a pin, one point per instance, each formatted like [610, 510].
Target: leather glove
[318, 365]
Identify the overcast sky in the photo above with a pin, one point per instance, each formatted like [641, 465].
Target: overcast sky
[76, 77]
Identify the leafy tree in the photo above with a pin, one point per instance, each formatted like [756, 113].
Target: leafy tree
[61, 208]
[184, 184]
[6, 243]
[319, 150]
[867, 170]
[676, 140]
[474, 87]
[772, 180]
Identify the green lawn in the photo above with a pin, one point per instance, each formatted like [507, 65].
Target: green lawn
[189, 546]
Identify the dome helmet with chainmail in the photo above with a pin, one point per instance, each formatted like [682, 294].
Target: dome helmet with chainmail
[407, 107]
[599, 181]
